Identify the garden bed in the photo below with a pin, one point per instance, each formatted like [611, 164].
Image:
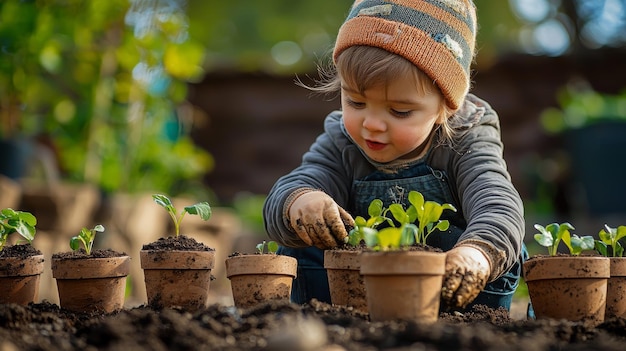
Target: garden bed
[285, 326]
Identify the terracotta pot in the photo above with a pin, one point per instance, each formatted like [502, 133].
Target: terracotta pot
[403, 284]
[176, 278]
[91, 284]
[258, 278]
[568, 287]
[616, 289]
[344, 278]
[19, 279]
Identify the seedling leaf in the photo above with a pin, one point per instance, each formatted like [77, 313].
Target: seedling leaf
[389, 238]
[375, 209]
[12, 221]
[202, 209]
[86, 237]
[272, 247]
[610, 237]
[551, 235]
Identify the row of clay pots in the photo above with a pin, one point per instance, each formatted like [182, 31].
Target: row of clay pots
[577, 288]
[173, 279]
[574, 288]
[182, 278]
[389, 284]
[93, 284]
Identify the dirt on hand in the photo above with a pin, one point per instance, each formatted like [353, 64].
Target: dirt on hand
[460, 288]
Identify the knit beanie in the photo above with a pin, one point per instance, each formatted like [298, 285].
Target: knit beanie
[438, 36]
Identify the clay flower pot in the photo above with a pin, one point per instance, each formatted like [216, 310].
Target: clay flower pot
[256, 278]
[177, 278]
[403, 284]
[91, 284]
[344, 278]
[568, 287]
[19, 279]
[616, 289]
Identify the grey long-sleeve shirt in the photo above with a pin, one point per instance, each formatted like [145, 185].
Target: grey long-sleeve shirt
[474, 164]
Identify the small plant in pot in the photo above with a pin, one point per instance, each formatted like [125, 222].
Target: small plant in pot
[403, 276]
[569, 285]
[609, 245]
[343, 264]
[261, 276]
[88, 279]
[21, 265]
[177, 269]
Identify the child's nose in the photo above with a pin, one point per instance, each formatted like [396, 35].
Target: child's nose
[374, 123]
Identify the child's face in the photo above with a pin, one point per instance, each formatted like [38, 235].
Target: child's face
[390, 122]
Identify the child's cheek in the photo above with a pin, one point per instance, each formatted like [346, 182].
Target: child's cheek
[352, 125]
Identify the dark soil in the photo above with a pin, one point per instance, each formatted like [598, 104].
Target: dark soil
[286, 326]
[182, 242]
[19, 251]
[81, 253]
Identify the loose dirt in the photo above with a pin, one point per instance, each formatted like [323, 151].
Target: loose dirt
[286, 326]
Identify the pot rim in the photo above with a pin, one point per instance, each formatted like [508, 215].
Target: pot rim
[400, 262]
[177, 259]
[31, 265]
[90, 267]
[566, 267]
[272, 264]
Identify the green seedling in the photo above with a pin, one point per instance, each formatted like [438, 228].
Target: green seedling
[201, 209]
[551, 235]
[20, 222]
[577, 244]
[86, 237]
[269, 247]
[402, 232]
[367, 227]
[610, 237]
[427, 216]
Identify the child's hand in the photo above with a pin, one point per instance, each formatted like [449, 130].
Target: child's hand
[318, 220]
[467, 271]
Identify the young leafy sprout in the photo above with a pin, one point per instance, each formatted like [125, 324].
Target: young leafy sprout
[201, 209]
[551, 235]
[610, 237]
[367, 227]
[427, 214]
[267, 247]
[20, 222]
[405, 233]
[86, 237]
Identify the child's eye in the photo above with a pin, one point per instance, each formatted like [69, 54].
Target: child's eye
[401, 114]
[355, 104]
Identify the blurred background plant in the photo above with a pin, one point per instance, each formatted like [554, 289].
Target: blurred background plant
[104, 83]
[581, 106]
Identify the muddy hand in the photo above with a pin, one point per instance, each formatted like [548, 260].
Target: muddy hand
[319, 221]
[467, 271]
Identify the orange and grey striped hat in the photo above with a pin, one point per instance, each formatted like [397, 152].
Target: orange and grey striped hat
[438, 36]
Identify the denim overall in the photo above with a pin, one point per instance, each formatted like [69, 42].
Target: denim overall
[312, 281]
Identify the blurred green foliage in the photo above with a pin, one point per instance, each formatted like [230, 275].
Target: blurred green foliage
[580, 105]
[106, 81]
[243, 35]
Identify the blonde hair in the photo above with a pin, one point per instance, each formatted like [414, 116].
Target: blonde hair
[364, 67]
